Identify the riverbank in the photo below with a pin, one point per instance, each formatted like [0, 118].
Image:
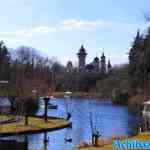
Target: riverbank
[107, 144]
[81, 95]
[35, 125]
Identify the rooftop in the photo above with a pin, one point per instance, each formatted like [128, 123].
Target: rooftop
[82, 50]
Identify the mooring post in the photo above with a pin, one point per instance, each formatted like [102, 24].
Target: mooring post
[45, 138]
[26, 142]
[26, 119]
[46, 99]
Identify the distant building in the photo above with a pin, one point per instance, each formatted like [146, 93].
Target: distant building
[82, 58]
[103, 64]
[69, 66]
[109, 67]
[98, 65]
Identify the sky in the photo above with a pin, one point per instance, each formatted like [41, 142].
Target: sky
[58, 28]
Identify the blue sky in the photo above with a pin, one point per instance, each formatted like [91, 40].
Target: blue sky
[59, 27]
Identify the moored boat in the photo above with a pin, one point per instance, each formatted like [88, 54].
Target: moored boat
[50, 106]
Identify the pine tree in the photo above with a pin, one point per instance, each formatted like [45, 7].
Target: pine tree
[4, 62]
[134, 57]
[146, 64]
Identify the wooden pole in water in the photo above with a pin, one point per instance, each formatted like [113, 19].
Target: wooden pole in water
[26, 142]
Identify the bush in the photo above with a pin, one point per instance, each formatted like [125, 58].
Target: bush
[26, 105]
[120, 97]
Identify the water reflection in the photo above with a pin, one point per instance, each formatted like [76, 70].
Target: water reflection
[108, 119]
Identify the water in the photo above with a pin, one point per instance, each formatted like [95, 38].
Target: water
[109, 119]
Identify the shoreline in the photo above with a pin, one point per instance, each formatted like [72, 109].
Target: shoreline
[35, 125]
[98, 96]
[108, 144]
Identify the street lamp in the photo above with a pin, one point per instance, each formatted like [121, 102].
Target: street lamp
[46, 100]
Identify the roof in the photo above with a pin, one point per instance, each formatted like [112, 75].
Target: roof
[96, 59]
[82, 50]
[69, 63]
[103, 56]
[89, 67]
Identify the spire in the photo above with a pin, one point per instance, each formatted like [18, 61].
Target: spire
[96, 64]
[103, 56]
[109, 67]
[82, 51]
[82, 57]
[69, 66]
[138, 36]
[103, 64]
[109, 64]
[138, 33]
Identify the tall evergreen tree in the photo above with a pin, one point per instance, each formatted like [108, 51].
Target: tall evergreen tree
[4, 62]
[134, 56]
[146, 54]
[139, 61]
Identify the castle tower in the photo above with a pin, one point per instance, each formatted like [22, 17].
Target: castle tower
[109, 67]
[96, 64]
[69, 66]
[82, 57]
[103, 64]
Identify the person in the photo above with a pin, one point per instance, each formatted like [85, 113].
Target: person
[68, 116]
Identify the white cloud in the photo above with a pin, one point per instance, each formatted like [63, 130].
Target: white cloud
[37, 30]
[43, 29]
[23, 33]
[83, 25]
[73, 24]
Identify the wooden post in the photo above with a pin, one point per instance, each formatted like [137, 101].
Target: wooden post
[26, 142]
[26, 119]
[45, 138]
[46, 99]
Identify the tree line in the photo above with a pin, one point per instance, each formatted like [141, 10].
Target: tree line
[26, 71]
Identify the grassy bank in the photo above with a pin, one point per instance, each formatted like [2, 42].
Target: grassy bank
[107, 144]
[34, 125]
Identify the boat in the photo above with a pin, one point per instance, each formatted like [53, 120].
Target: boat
[50, 106]
[67, 94]
[146, 110]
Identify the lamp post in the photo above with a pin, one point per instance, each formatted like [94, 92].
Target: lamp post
[46, 100]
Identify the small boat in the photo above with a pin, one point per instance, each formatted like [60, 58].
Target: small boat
[67, 94]
[146, 110]
[50, 106]
[68, 140]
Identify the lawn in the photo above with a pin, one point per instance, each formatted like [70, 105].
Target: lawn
[35, 124]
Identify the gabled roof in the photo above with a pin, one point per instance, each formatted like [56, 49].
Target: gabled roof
[82, 51]
[96, 59]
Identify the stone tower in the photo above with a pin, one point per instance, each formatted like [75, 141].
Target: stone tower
[96, 64]
[103, 64]
[69, 66]
[109, 67]
[82, 57]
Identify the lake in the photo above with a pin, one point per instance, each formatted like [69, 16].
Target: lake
[109, 119]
